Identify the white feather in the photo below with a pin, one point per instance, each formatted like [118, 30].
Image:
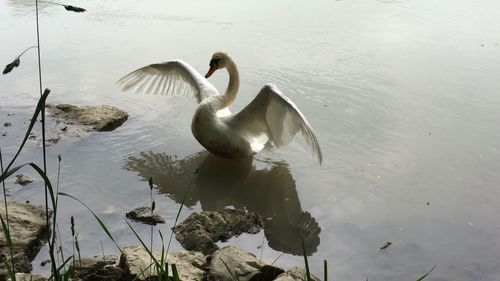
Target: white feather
[169, 78]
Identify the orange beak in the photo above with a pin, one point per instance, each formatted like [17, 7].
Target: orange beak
[213, 68]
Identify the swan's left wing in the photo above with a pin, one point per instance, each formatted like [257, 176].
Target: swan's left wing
[274, 117]
[169, 78]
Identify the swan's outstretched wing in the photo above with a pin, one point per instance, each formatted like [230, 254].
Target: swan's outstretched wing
[169, 78]
[273, 117]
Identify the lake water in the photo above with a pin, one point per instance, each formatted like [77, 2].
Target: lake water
[403, 95]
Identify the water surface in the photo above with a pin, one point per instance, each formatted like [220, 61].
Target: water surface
[403, 96]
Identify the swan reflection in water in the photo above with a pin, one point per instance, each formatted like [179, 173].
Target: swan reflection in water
[218, 183]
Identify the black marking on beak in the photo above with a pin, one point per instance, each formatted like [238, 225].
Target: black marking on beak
[214, 65]
[214, 62]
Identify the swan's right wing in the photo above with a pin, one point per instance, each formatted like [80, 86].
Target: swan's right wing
[273, 117]
[169, 78]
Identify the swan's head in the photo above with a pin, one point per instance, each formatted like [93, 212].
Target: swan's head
[218, 61]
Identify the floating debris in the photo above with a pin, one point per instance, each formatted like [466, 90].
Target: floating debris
[386, 245]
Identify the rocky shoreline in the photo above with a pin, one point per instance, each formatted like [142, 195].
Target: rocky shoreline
[27, 226]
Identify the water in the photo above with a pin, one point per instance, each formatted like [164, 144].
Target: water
[403, 96]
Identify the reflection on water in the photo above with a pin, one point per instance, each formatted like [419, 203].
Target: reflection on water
[219, 183]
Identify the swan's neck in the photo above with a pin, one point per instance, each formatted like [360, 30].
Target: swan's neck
[233, 85]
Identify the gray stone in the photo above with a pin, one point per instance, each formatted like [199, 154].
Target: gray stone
[143, 214]
[27, 229]
[200, 231]
[7, 124]
[295, 274]
[135, 261]
[73, 121]
[98, 268]
[23, 179]
[230, 263]
[100, 117]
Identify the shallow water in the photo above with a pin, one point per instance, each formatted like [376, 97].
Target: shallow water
[403, 96]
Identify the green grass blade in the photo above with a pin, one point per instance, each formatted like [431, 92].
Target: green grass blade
[39, 107]
[142, 272]
[49, 187]
[10, 271]
[157, 264]
[308, 273]
[175, 274]
[180, 209]
[325, 270]
[103, 226]
[69, 273]
[6, 233]
[427, 274]
[8, 239]
[162, 257]
[58, 270]
[52, 241]
[9, 172]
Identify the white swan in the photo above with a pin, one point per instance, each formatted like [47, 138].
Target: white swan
[270, 117]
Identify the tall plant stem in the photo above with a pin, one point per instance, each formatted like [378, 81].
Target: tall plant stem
[51, 247]
[41, 93]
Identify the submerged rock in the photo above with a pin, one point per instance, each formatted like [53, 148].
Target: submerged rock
[99, 117]
[143, 214]
[230, 263]
[135, 261]
[67, 120]
[27, 229]
[98, 268]
[200, 231]
[295, 274]
[23, 179]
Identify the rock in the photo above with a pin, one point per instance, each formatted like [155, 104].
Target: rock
[100, 117]
[230, 263]
[143, 214]
[23, 179]
[295, 274]
[98, 268]
[29, 277]
[135, 261]
[73, 121]
[7, 124]
[4, 134]
[200, 231]
[27, 228]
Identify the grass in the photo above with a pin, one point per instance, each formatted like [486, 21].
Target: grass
[60, 272]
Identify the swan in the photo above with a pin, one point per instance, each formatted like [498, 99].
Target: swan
[271, 117]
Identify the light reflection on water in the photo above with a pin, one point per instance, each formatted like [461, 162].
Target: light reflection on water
[219, 183]
[403, 96]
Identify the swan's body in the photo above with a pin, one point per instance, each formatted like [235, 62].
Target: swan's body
[270, 117]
